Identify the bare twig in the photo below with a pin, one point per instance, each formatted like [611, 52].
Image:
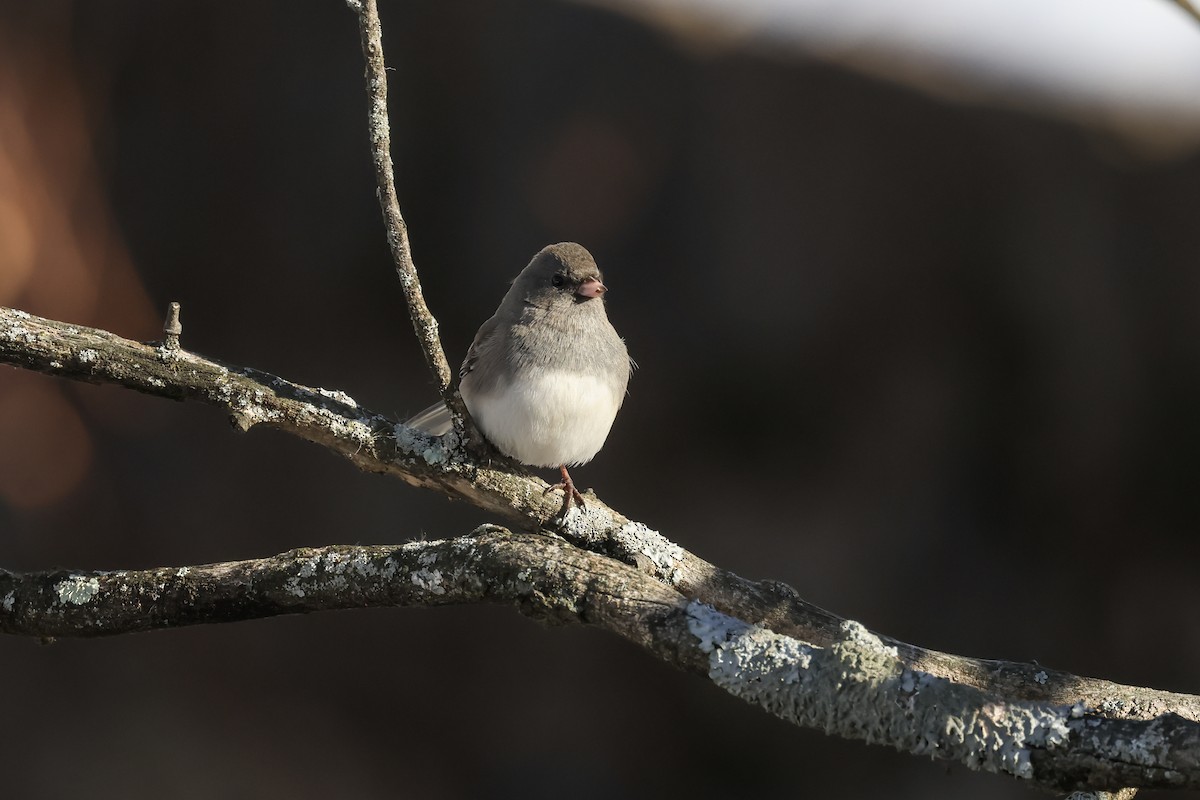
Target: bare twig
[172, 328]
[858, 687]
[424, 324]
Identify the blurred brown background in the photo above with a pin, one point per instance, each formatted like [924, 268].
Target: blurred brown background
[936, 365]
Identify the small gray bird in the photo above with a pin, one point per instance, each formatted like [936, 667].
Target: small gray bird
[546, 374]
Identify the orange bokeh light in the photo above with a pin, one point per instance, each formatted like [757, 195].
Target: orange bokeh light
[61, 256]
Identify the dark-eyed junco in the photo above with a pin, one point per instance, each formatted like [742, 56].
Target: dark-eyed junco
[546, 374]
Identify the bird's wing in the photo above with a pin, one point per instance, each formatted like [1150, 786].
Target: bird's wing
[436, 419]
[482, 337]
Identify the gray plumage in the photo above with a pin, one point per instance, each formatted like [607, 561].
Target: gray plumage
[545, 376]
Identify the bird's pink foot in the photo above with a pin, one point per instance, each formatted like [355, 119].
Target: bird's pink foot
[569, 491]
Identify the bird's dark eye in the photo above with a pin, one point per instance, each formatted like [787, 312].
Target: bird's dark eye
[558, 280]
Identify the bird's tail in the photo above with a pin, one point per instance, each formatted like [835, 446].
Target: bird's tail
[434, 420]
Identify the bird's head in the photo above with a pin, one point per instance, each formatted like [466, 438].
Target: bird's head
[561, 273]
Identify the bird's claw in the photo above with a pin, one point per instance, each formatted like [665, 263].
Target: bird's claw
[569, 492]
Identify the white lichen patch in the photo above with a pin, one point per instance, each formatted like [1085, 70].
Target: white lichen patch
[357, 430]
[463, 544]
[1005, 733]
[1146, 749]
[864, 651]
[389, 569]
[250, 414]
[859, 688]
[1041, 677]
[223, 389]
[998, 736]
[433, 450]
[336, 571]
[637, 538]
[335, 562]
[167, 354]
[247, 405]
[56, 364]
[337, 395]
[740, 654]
[428, 579]
[16, 331]
[362, 565]
[592, 524]
[20, 314]
[182, 572]
[9, 599]
[524, 582]
[77, 589]
[712, 628]
[339, 564]
[87, 356]
[308, 568]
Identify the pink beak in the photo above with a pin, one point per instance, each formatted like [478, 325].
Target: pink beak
[591, 287]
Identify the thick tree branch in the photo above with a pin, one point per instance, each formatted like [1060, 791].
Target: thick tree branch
[545, 577]
[857, 687]
[378, 444]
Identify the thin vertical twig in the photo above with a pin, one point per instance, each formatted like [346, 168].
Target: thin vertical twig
[424, 324]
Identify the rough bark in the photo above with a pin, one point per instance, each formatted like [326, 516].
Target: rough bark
[858, 687]
[757, 640]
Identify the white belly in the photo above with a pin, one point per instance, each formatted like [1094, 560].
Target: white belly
[559, 418]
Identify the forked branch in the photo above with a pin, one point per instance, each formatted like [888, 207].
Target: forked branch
[759, 641]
